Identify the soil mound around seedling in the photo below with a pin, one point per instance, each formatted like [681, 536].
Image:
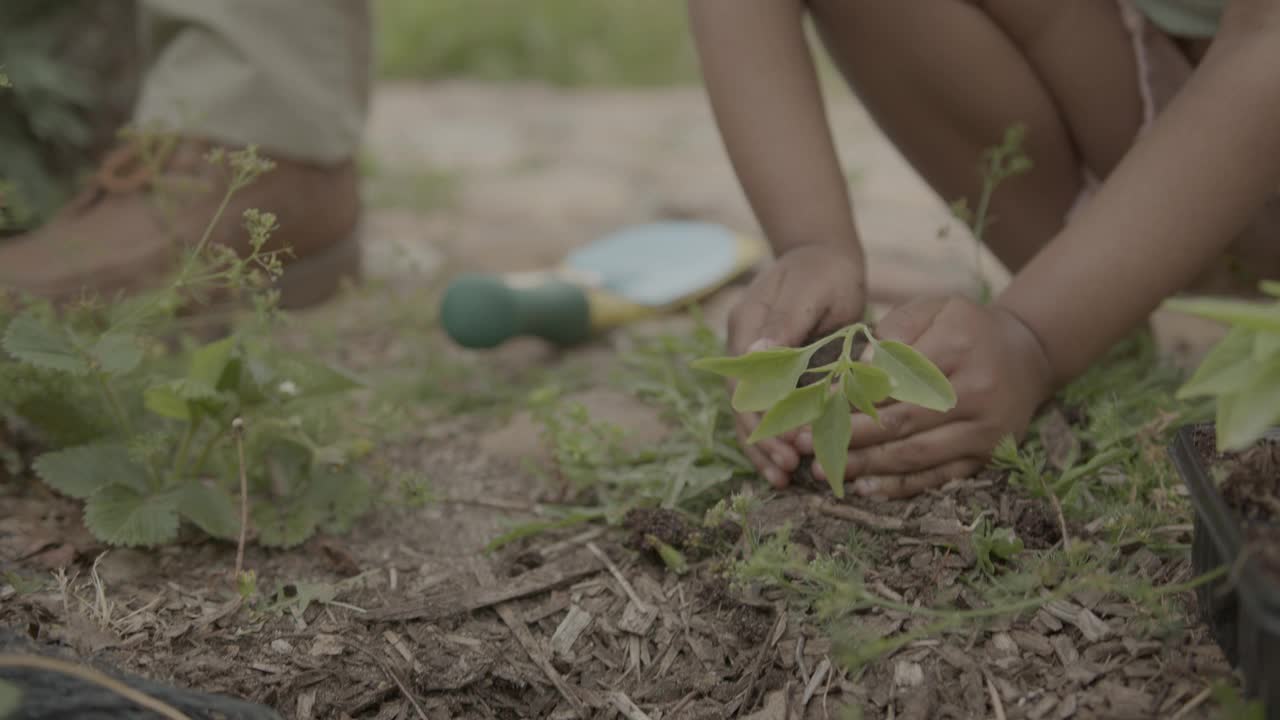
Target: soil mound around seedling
[1250, 486]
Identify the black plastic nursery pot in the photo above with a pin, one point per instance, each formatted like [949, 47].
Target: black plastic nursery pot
[1242, 607]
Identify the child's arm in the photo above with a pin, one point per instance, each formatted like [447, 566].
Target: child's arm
[1171, 207]
[764, 92]
[1175, 203]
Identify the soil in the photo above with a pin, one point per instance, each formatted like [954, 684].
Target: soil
[1251, 488]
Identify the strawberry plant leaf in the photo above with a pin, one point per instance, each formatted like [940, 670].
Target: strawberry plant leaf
[210, 363]
[339, 496]
[916, 380]
[1241, 313]
[864, 386]
[36, 343]
[831, 433]
[764, 377]
[210, 508]
[119, 515]
[80, 472]
[1245, 415]
[117, 353]
[1227, 368]
[1266, 346]
[284, 525]
[177, 399]
[800, 407]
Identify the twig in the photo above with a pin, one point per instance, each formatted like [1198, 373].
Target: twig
[1057, 509]
[862, 517]
[812, 686]
[1192, 704]
[997, 705]
[237, 428]
[623, 704]
[525, 638]
[617, 575]
[386, 668]
[94, 677]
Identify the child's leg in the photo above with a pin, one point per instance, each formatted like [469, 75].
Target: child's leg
[945, 79]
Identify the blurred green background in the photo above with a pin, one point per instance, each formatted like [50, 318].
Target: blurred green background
[74, 78]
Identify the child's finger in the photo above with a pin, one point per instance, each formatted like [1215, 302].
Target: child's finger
[918, 452]
[896, 421]
[903, 486]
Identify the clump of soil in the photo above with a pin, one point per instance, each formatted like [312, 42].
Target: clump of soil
[1037, 526]
[674, 529]
[1251, 486]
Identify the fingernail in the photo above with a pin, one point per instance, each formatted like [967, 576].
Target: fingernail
[761, 344]
[778, 459]
[775, 478]
[866, 486]
[804, 441]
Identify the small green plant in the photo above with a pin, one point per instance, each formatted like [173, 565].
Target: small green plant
[143, 436]
[992, 545]
[1242, 372]
[767, 382]
[999, 163]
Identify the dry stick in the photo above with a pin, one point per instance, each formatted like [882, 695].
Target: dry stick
[386, 668]
[862, 517]
[617, 575]
[1192, 704]
[1057, 509]
[531, 647]
[237, 428]
[94, 677]
[997, 706]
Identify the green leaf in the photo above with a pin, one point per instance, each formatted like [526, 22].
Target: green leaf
[801, 407]
[764, 377]
[831, 433]
[1266, 346]
[916, 380]
[1270, 287]
[122, 516]
[339, 496]
[209, 364]
[1244, 416]
[177, 399]
[1225, 369]
[117, 353]
[31, 341]
[10, 699]
[284, 525]
[1241, 313]
[865, 386]
[210, 508]
[80, 472]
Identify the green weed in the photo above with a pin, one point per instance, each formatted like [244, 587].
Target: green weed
[144, 436]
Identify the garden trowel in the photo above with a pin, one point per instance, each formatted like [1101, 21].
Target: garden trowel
[628, 275]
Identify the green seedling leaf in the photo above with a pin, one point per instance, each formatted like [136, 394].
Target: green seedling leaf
[1226, 369]
[1241, 313]
[178, 399]
[10, 699]
[30, 340]
[210, 508]
[297, 597]
[1244, 416]
[117, 353]
[831, 433]
[916, 380]
[119, 515]
[800, 407]
[764, 377]
[80, 472]
[671, 557]
[1270, 287]
[865, 386]
[1266, 346]
[210, 364]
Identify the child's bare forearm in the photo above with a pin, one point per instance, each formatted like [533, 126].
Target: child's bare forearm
[764, 92]
[1172, 206]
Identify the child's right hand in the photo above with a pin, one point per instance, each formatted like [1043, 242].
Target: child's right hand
[809, 291]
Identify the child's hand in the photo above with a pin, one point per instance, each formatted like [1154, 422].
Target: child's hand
[810, 290]
[1001, 376]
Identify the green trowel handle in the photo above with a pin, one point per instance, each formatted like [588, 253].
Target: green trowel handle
[484, 311]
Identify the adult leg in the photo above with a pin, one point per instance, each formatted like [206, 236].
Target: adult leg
[291, 76]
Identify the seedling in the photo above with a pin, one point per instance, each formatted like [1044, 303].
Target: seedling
[1242, 372]
[767, 382]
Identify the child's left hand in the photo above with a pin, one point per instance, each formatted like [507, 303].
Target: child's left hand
[1001, 376]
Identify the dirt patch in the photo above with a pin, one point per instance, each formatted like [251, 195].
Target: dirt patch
[1251, 481]
[677, 531]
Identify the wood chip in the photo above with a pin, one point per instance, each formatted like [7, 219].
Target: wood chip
[1032, 642]
[637, 619]
[1065, 649]
[570, 629]
[1091, 626]
[862, 517]
[623, 704]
